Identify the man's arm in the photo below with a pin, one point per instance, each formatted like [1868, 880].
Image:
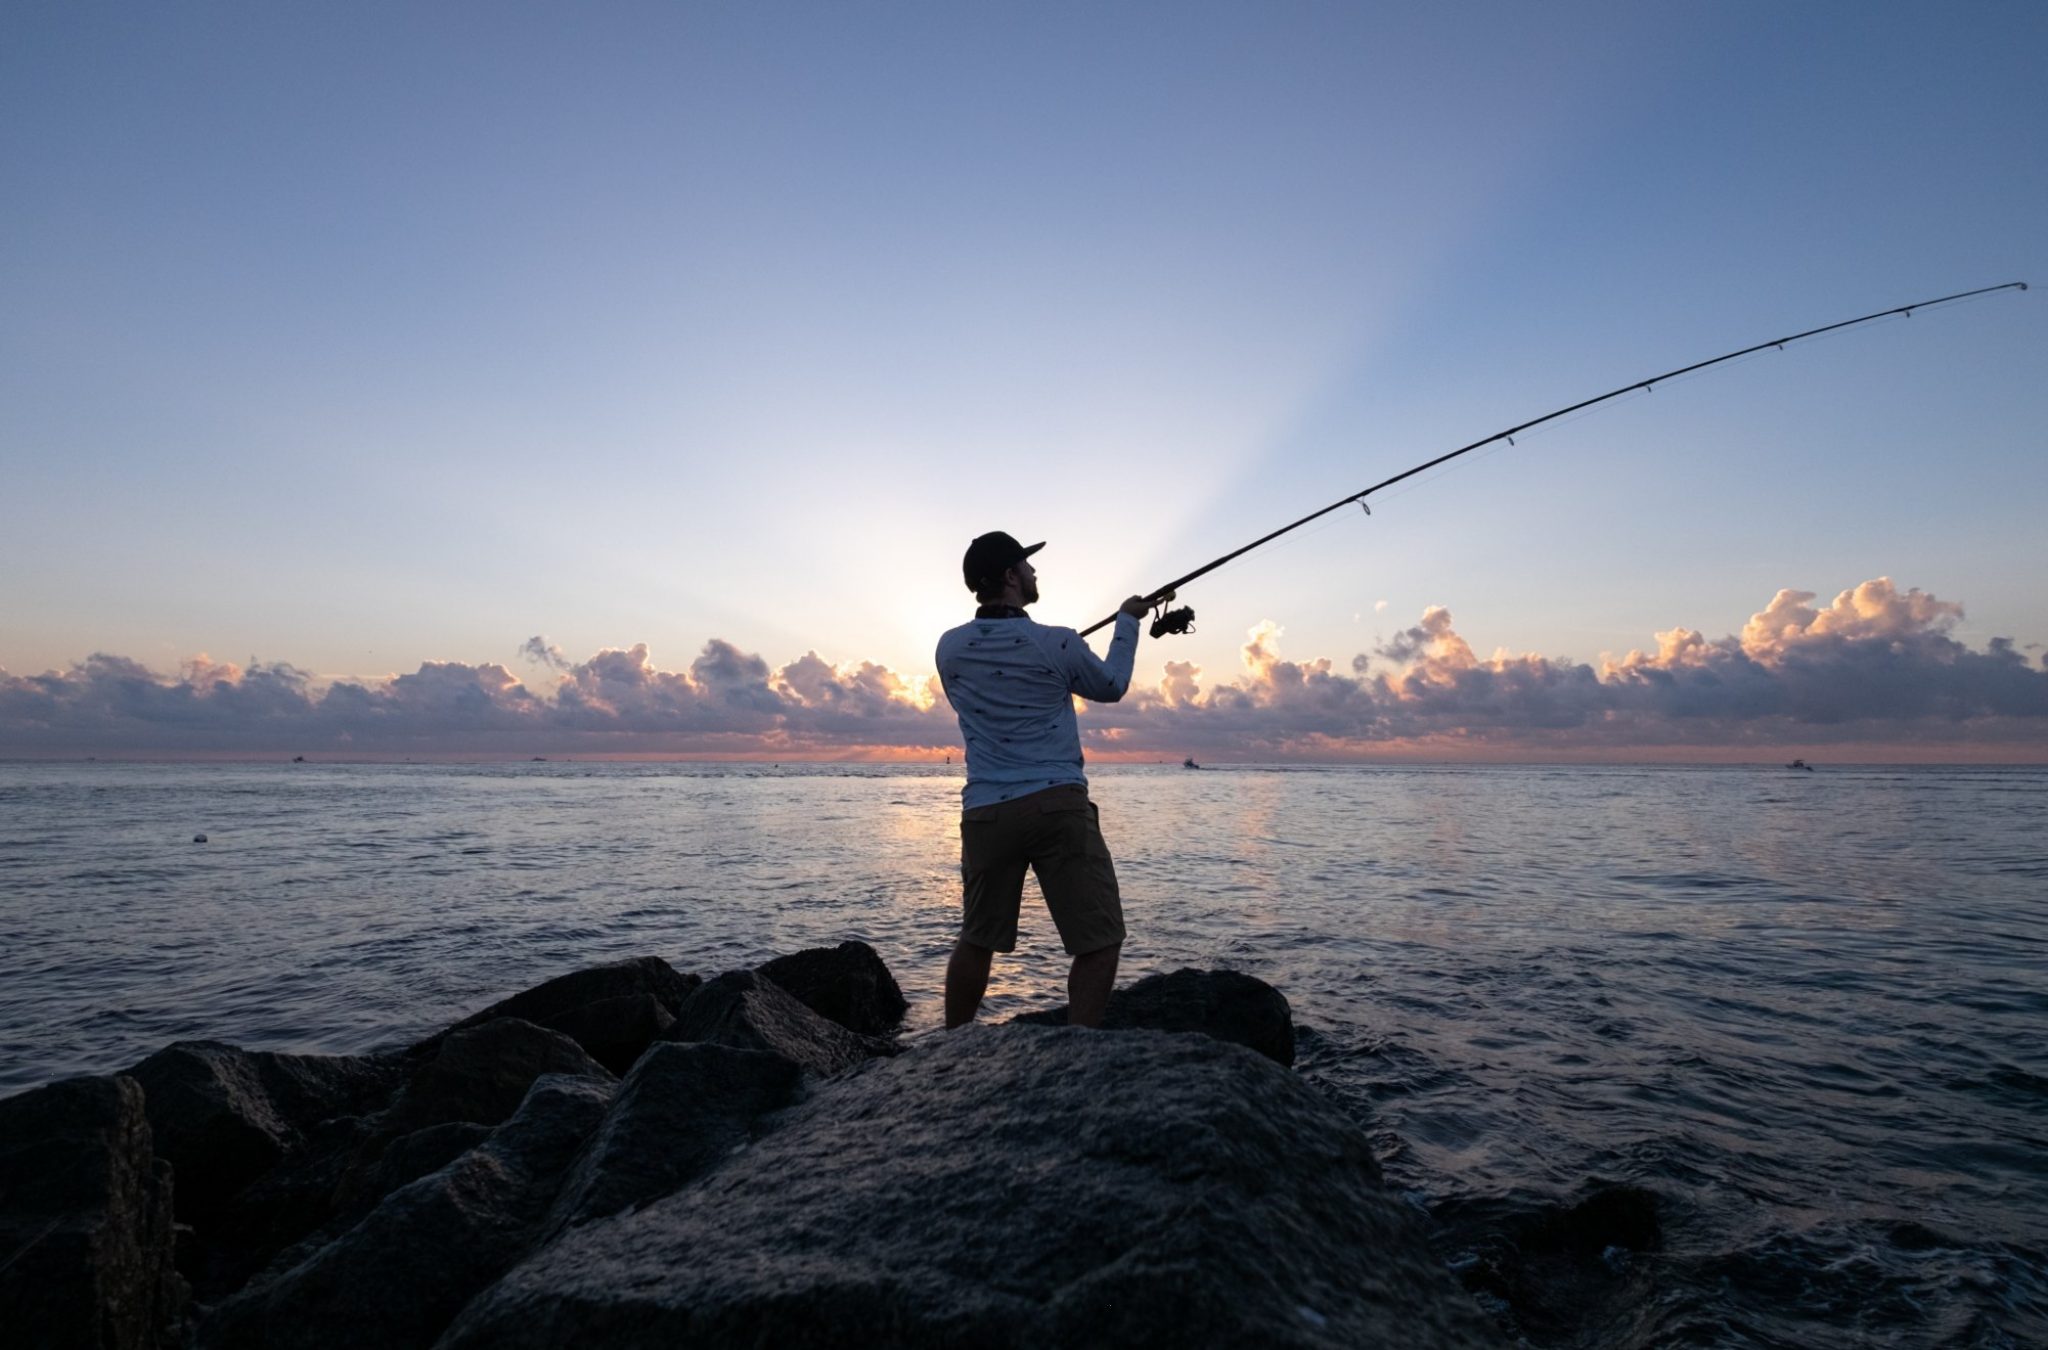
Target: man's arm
[1105, 679]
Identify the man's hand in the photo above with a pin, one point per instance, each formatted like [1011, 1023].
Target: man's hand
[1135, 607]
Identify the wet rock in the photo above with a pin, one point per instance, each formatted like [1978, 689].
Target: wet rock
[565, 993]
[1610, 1216]
[848, 984]
[481, 1074]
[1559, 1269]
[223, 1116]
[1008, 1187]
[748, 1011]
[1909, 1236]
[396, 1278]
[1225, 1004]
[681, 1110]
[615, 1031]
[86, 1242]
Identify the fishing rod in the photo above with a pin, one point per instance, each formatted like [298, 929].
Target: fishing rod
[1182, 620]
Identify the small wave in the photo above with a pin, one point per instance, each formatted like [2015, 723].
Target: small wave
[1691, 881]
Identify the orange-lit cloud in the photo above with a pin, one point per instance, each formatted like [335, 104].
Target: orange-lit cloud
[1877, 668]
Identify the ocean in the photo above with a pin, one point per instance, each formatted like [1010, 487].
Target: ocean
[1799, 1018]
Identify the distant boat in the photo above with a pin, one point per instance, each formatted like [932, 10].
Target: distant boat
[298, 759]
[1189, 763]
[1800, 764]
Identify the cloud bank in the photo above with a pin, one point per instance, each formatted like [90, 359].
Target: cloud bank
[1876, 672]
[1876, 668]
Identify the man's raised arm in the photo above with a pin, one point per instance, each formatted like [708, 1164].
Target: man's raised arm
[1105, 679]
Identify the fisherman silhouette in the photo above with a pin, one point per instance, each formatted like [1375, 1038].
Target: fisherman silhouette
[1011, 681]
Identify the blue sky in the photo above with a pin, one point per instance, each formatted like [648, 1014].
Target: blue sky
[371, 336]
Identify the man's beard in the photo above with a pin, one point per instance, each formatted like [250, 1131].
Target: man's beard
[1031, 591]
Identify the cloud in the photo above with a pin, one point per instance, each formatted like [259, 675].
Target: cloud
[728, 702]
[542, 652]
[1877, 668]
[1433, 632]
[1874, 610]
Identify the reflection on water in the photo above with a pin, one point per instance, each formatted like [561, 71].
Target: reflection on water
[1803, 1012]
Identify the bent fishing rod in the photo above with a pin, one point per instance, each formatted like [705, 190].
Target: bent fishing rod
[1182, 620]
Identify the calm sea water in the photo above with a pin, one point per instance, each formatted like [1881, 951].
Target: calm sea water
[1806, 1012]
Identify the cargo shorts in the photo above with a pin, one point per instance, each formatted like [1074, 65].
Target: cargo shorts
[1057, 833]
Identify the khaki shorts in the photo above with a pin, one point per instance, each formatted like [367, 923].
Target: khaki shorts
[1057, 834]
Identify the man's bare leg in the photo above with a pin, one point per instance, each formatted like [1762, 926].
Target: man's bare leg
[1088, 986]
[966, 982]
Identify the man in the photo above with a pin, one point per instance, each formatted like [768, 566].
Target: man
[1011, 681]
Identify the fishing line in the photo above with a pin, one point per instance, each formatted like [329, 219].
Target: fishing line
[1167, 621]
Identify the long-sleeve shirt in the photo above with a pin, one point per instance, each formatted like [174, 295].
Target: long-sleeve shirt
[1010, 682]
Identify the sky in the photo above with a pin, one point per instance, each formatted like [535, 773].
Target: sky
[508, 379]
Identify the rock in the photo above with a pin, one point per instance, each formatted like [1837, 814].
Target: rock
[847, 984]
[1611, 1215]
[247, 1229]
[681, 1110]
[1567, 1266]
[395, 1279]
[223, 1116]
[86, 1242]
[410, 1157]
[481, 1074]
[1012, 1186]
[342, 1181]
[565, 993]
[319, 1192]
[615, 1031]
[270, 1148]
[1225, 1004]
[750, 1012]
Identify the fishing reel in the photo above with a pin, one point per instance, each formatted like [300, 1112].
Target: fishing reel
[1166, 620]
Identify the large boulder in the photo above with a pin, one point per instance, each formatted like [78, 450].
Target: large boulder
[243, 1232]
[1012, 1186]
[318, 1192]
[615, 1031]
[481, 1074]
[1225, 1004]
[223, 1116]
[86, 1246]
[748, 1011]
[280, 1157]
[681, 1111]
[551, 999]
[410, 1157]
[396, 1278]
[849, 984]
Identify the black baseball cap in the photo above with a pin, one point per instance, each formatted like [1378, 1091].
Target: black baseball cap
[989, 554]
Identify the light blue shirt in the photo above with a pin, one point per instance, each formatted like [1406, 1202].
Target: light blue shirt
[1010, 682]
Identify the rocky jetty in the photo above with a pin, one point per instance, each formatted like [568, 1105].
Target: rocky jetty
[629, 1155]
